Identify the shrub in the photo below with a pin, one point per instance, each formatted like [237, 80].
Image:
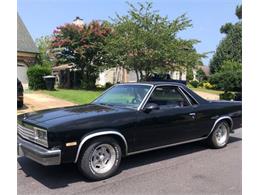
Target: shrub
[194, 83]
[207, 85]
[238, 96]
[227, 96]
[35, 76]
[229, 77]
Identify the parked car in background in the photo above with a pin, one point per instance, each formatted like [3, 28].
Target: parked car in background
[19, 94]
[127, 119]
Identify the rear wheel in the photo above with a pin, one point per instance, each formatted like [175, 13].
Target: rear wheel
[100, 159]
[220, 135]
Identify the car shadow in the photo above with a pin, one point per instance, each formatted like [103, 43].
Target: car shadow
[61, 176]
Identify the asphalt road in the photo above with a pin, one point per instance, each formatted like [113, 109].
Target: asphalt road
[187, 169]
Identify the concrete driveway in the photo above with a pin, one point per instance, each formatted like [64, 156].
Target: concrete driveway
[38, 101]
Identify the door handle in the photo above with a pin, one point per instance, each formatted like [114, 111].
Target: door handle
[193, 115]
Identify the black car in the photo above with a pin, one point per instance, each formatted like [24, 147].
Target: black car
[19, 94]
[126, 119]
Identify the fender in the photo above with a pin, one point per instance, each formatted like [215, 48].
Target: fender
[220, 119]
[92, 135]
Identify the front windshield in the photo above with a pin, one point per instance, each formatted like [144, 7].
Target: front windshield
[124, 95]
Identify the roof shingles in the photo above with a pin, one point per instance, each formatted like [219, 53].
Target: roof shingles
[25, 42]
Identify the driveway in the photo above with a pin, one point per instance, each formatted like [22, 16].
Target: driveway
[187, 169]
[38, 101]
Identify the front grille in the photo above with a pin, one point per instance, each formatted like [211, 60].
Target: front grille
[25, 132]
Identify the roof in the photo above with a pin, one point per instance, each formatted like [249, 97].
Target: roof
[25, 42]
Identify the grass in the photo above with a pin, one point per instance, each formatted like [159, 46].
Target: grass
[74, 95]
[211, 91]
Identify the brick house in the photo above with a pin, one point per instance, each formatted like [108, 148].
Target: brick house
[26, 51]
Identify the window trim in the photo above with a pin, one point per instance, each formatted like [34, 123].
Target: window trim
[142, 105]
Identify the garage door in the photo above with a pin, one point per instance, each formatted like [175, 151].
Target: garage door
[22, 72]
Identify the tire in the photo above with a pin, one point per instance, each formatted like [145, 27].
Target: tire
[219, 136]
[100, 159]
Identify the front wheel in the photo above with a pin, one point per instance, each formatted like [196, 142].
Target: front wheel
[100, 159]
[220, 135]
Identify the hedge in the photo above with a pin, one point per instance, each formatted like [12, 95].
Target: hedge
[35, 76]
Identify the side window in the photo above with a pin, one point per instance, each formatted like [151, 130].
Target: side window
[192, 101]
[168, 96]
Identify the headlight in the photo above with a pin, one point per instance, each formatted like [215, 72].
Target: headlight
[40, 136]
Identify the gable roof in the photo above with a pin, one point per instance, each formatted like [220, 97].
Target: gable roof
[25, 42]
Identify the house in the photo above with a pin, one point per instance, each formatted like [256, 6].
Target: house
[26, 51]
[204, 68]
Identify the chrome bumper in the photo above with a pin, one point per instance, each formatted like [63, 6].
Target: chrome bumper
[37, 153]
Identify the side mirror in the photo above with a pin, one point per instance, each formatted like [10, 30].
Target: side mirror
[151, 106]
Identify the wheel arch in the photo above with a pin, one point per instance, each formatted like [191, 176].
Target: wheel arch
[228, 119]
[113, 133]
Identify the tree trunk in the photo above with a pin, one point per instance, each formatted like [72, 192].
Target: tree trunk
[137, 76]
[141, 75]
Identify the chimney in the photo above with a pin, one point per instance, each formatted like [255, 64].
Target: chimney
[78, 21]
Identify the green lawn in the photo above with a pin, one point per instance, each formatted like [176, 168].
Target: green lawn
[216, 92]
[74, 95]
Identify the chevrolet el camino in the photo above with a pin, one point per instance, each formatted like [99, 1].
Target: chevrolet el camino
[126, 119]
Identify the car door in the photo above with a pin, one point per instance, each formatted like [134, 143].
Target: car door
[173, 122]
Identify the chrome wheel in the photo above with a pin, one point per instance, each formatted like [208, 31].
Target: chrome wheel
[221, 134]
[103, 158]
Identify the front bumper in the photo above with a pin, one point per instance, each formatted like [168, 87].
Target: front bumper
[37, 153]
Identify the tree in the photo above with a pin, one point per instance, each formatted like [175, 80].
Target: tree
[44, 45]
[147, 43]
[230, 48]
[201, 76]
[81, 45]
[229, 77]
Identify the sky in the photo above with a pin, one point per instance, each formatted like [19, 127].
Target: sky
[41, 17]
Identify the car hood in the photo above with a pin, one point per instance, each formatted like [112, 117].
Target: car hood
[45, 117]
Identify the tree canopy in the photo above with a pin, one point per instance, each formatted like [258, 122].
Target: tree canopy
[81, 45]
[44, 45]
[147, 43]
[230, 47]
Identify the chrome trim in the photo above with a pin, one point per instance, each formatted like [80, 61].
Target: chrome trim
[219, 119]
[145, 99]
[86, 138]
[189, 94]
[166, 146]
[185, 96]
[38, 153]
[159, 85]
[30, 134]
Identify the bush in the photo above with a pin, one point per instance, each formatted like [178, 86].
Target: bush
[35, 76]
[238, 96]
[229, 78]
[194, 83]
[207, 85]
[227, 96]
